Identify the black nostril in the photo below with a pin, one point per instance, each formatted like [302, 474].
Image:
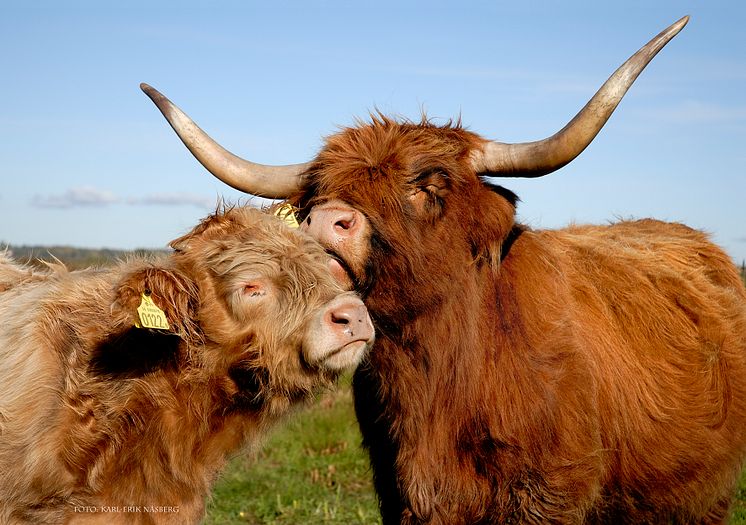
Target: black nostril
[342, 319]
[344, 224]
[308, 220]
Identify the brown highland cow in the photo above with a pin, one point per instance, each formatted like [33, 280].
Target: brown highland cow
[593, 374]
[104, 422]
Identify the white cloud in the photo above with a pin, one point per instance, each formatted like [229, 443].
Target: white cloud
[87, 196]
[83, 196]
[174, 199]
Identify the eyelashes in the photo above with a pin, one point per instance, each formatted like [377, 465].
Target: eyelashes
[254, 290]
[429, 192]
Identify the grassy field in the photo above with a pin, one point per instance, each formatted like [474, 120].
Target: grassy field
[312, 470]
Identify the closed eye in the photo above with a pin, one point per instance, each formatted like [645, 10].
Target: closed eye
[254, 290]
[432, 182]
[428, 193]
[250, 294]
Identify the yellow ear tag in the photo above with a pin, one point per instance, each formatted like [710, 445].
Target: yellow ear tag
[150, 315]
[286, 212]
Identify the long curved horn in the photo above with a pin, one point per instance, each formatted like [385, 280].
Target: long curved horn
[257, 179]
[534, 159]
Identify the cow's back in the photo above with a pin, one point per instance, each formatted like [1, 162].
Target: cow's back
[13, 274]
[661, 313]
[37, 354]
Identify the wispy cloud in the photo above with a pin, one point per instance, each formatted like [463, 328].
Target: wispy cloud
[456, 72]
[541, 81]
[700, 112]
[90, 197]
[174, 199]
[80, 197]
[714, 69]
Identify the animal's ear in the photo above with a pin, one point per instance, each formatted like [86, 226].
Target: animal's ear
[185, 241]
[218, 224]
[170, 290]
[493, 219]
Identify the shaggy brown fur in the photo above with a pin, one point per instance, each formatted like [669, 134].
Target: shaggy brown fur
[594, 374]
[103, 422]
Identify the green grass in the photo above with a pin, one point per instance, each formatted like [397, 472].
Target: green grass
[312, 470]
[739, 505]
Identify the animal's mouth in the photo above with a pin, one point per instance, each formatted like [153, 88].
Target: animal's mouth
[347, 356]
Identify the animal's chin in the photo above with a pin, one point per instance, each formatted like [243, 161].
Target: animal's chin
[347, 356]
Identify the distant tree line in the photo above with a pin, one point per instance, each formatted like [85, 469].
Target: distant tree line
[73, 258]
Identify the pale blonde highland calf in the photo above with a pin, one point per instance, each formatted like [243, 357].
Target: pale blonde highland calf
[105, 422]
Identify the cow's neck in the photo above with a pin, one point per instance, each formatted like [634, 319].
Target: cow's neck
[442, 381]
[399, 393]
[439, 354]
[186, 436]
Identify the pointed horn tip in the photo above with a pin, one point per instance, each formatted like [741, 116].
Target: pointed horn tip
[147, 88]
[674, 29]
[161, 102]
[150, 91]
[680, 23]
[156, 96]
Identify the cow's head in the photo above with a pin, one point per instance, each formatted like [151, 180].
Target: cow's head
[411, 192]
[253, 302]
[385, 199]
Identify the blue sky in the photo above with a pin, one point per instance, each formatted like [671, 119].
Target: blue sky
[88, 161]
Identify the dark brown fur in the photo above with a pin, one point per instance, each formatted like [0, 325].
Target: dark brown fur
[95, 413]
[594, 374]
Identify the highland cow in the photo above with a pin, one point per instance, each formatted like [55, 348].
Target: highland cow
[102, 421]
[592, 374]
